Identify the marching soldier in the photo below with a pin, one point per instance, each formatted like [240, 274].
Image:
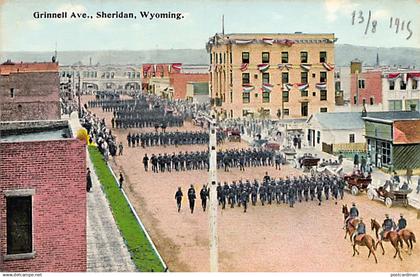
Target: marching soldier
[191, 198]
[203, 196]
[178, 198]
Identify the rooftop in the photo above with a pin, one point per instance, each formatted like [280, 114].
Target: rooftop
[340, 121]
[20, 131]
[11, 67]
[392, 116]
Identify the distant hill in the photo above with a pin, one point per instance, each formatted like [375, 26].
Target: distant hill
[344, 53]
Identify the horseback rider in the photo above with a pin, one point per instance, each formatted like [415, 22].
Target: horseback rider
[354, 212]
[360, 229]
[386, 226]
[402, 223]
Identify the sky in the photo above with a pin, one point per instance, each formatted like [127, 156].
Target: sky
[20, 31]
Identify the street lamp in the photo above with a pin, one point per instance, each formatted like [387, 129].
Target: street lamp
[213, 238]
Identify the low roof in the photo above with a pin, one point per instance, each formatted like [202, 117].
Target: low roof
[391, 116]
[9, 67]
[406, 131]
[340, 121]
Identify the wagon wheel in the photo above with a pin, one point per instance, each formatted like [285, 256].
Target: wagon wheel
[388, 202]
[371, 194]
[354, 190]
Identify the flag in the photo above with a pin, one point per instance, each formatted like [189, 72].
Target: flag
[287, 86]
[146, 68]
[328, 67]
[286, 42]
[280, 66]
[288, 66]
[247, 88]
[393, 76]
[301, 86]
[243, 41]
[268, 41]
[244, 67]
[322, 85]
[306, 66]
[154, 68]
[263, 67]
[177, 67]
[267, 87]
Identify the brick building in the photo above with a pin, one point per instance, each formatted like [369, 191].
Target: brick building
[170, 80]
[282, 75]
[42, 198]
[29, 91]
[366, 88]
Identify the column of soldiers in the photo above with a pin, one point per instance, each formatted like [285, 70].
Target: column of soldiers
[270, 190]
[170, 138]
[199, 160]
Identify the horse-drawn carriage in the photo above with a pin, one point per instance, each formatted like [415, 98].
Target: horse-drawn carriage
[357, 182]
[390, 197]
[272, 146]
[233, 135]
[307, 162]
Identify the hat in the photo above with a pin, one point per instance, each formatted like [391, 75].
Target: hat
[353, 204]
[386, 215]
[361, 219]
[401, 215]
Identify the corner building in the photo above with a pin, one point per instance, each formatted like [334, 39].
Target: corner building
[272, 75]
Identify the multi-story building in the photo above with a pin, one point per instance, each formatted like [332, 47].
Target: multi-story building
[170, 80]
[42, 197]
[279, 75]
[29, 91]
[97, 77]
[400, 90]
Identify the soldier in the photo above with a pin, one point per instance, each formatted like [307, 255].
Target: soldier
[219, 192]
[191, 198]
[178, 197]
[245, 199]
[306, 190]
[402, 223]
[231, 197]
[262, 194]
[341, 185]
[354, 212]
[146, 162]
[277, 161]
[278, 191]
[154, 161]
[129, 139]
[386, 226]
[319, 192]
[291, 194]
[269, 192]
[203, 196]
[223, 199]
[326, 188]
[254, 191]
[120, 147]
[360, 229]
[334, 190]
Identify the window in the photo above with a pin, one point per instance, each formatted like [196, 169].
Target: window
[303, 57]
[211, 57]
[384, 148]
[323, 76]
[245, 97]
[391, 85]
[286, 111]
[323, 95]
[372, 101]
[322, 57]
[318, 137]
[412, 105]
[304, 77]
[403, 85]
[351, 138]
[284, 57]
[220, 57]
[215, 58]
[19, 224]
[266, 97]
[230, 57]
[224, 57]
[245, 78]
[361, 83]
[304, 108]
[266, 78]
[314, 93]
[285, 77]
[12, 93]
[355, 100]
[304, 93]
[324, 110]
[231, 78]
[364, 101]
[285, 96]
[245, 57]
[413, 84]
[245, 112]
[395, 105]
[231, 95]
[265, 57]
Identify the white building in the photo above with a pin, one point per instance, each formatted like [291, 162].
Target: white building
[400, 90]
[333, 132]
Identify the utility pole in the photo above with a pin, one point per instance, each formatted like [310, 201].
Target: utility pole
[78, 95]
[213, 238]
[214, 255]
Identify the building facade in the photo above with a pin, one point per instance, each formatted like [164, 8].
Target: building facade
[42, 198]
[393, 139]
[281, 75]
[29, 91]
[96, 77]
[400, 90]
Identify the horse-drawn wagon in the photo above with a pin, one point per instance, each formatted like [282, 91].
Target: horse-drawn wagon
[390, 198]
[357, 182]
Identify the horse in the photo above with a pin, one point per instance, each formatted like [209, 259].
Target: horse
[365, 240]
[409, 237]
[391, 236]
[351, 224]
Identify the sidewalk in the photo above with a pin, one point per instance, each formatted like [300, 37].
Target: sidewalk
[106, 249]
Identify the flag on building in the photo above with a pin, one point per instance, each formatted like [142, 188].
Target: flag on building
[268, 41]
[306, 66]
[244, 67]
[322, 85]
[302, 86]
[247, 88]
[267, 87]
[328, 66]
[263, 67]
[393, 76]
[287, 86]
[243, 41]
[177, 67]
